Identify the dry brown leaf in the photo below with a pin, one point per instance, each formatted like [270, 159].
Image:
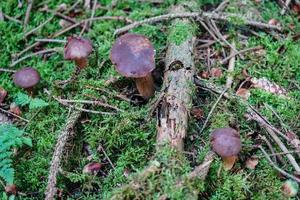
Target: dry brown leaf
[243, 93]
[13, 108]
[274, 22]
[197, 113]
[251, 163]
[216, 72]
[3, 94]
[204, 74]
[11, 189]
[92, 168]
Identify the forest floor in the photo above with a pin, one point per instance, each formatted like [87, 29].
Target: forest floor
[123, 139]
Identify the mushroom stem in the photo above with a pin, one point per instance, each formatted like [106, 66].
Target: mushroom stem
[228, 162]
[145, 86]
[81, 63]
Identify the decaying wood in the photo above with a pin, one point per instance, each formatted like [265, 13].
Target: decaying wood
[62, 140]
[174, 112]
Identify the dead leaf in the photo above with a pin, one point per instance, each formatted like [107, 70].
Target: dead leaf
[251, 162]
[3, 94]
[216, 72]
[243, 93]
[274, 22]
[13, 108]
[204, 74]
[296, 8]
[11, 189]
[197, 113]
[92, 168]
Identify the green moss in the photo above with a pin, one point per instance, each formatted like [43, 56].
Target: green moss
[180, 32]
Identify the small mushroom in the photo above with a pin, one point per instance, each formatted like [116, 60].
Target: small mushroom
[226, 143]
[27, 78]
[133, 56]
[78, 49]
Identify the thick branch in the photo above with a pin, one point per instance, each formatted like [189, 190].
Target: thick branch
[173, 112]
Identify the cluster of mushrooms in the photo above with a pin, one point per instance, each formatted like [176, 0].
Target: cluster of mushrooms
[134, 57]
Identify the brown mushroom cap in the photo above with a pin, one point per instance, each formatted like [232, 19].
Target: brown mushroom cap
[26, 78]
[133, 55]
[77, 48]
[226, 142]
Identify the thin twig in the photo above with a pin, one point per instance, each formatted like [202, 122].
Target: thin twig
[50, 40]
[278, 154]
[12, 19]
[28, 11]
[17, 116]
[38, 27]
[33, 54]
[120, 18]
[230, 68]
[91, 19]
[212, 110]
[240, 52]
[268, 143]
[222, 6]
[98, 103]
[197, 15]
[100, 147]
[76, 107]
[7, 70]
[276, 167]
[285, 7]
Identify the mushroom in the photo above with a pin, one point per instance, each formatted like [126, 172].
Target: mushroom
[226, 143]
[26, 78]
[78, 49]
[133, 56]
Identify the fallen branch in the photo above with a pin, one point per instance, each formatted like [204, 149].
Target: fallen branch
[66, 134]
[17, 116]
[200, 16]
[202, 170]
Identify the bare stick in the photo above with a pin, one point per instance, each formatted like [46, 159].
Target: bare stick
[212, 110]
[100, 147]
[28, 11]
[230, 68]
[240, 52]
[63, 138]
[7, 70]
[33, 54]
[98, 103]
[202, 170]
[91, 19]
[215, 16]
[284, 149]
[277, 168]
[50, 40]
[12, 19]
[278, 154]
[17, 116]
[222, 6]
[285, 7]
[76, 107]
[38, 27]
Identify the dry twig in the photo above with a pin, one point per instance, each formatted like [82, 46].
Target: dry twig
[230, 68]
[196, 15]
[28, 11]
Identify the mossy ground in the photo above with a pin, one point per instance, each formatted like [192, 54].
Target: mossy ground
[129, 137]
